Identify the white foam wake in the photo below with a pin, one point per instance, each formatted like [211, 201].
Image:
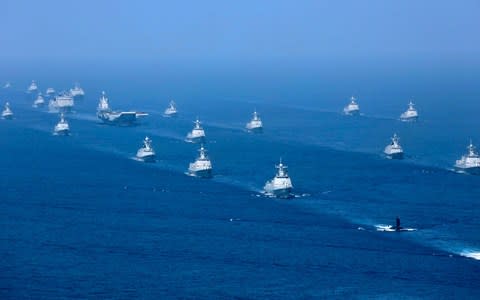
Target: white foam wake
[471, 254]
[391, 228]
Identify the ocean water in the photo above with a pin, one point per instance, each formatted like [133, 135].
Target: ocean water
[81, 218]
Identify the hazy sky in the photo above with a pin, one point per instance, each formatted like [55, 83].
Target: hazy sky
[238, 30]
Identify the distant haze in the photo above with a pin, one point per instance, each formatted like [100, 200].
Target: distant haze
[236, 31]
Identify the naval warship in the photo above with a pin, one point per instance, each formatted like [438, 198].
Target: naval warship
[146, 153]
[394, 150]
[281, 185]
[202, 166]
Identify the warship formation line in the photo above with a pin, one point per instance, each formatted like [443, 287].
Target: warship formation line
[279, 186]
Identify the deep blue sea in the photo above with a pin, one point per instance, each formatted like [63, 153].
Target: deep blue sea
[81, 219]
